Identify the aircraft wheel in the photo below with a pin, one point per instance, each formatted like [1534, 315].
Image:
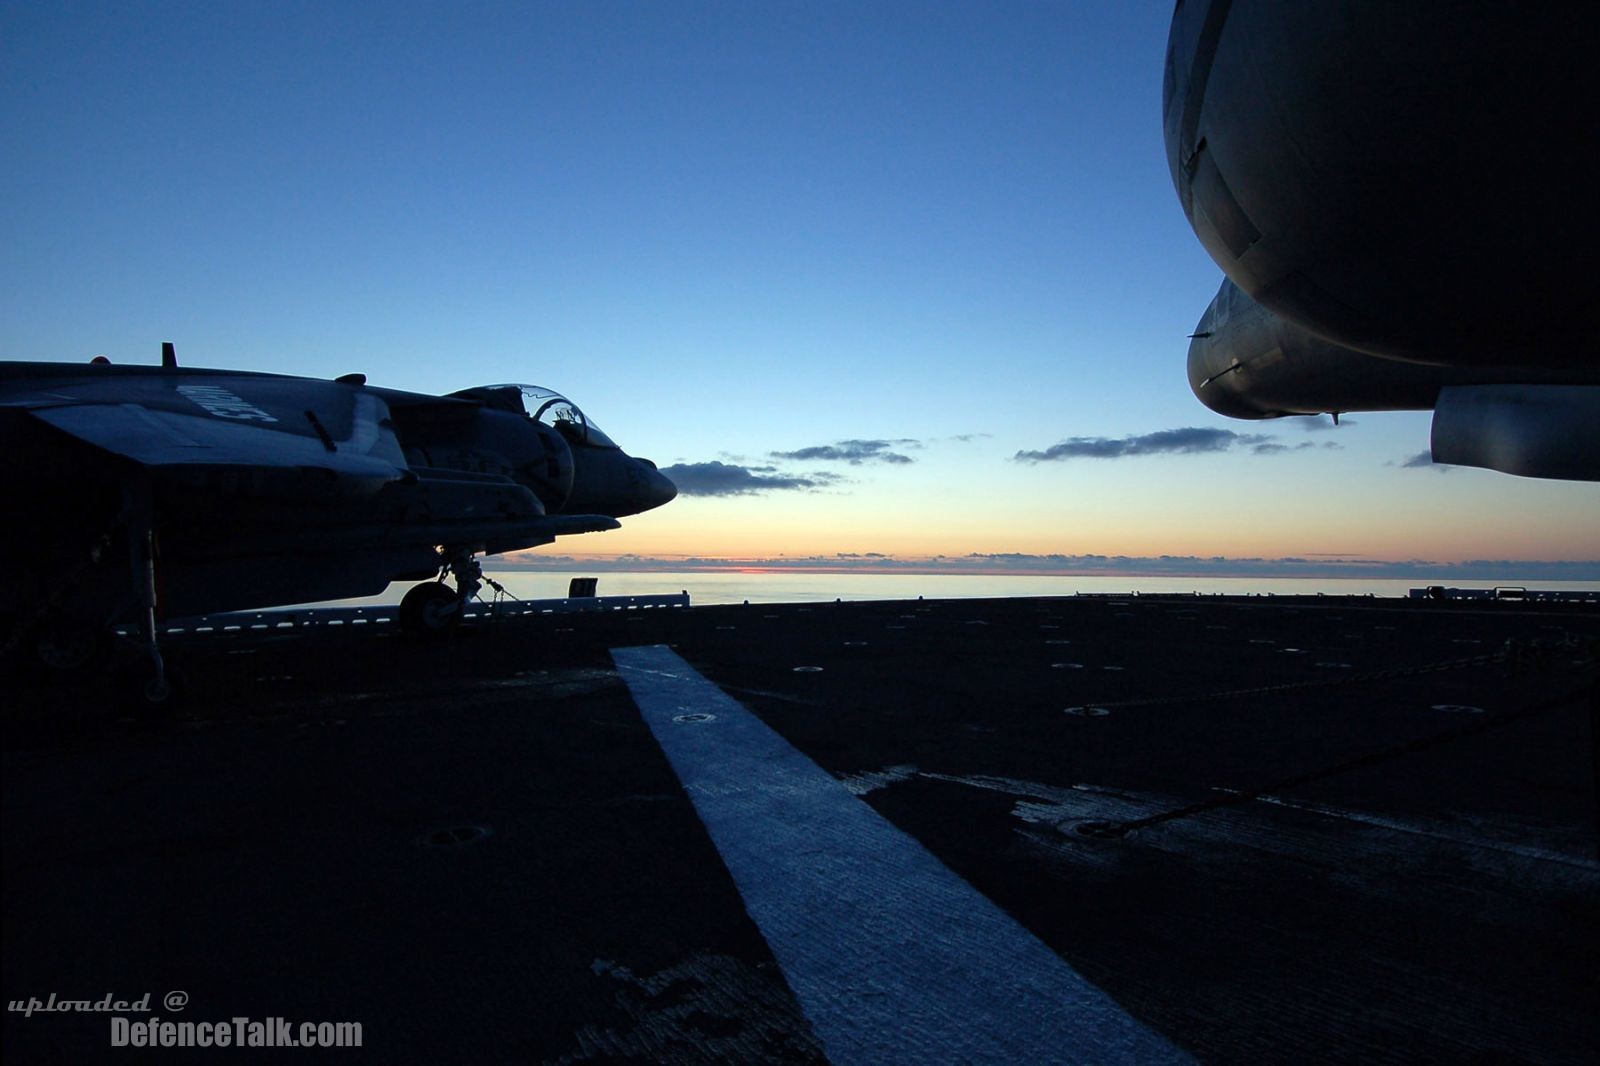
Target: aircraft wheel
[430, 609]
[146, 699]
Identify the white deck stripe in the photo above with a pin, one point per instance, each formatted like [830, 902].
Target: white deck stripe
[893, 957]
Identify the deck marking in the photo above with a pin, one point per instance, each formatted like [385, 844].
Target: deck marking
[893, 957]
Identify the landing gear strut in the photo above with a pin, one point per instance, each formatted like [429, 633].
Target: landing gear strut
[148, 685]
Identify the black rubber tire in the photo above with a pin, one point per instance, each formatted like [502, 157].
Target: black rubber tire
[139, 696]
[430, 609]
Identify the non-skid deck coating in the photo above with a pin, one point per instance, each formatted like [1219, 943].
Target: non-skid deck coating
[480, 851]
[894, 958]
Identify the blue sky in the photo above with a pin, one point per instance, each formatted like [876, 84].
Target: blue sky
[728, 231]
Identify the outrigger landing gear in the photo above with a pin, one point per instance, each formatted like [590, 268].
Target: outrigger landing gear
[433, 608]
[147, 686]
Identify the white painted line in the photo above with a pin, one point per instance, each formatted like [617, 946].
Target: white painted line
[893, 957]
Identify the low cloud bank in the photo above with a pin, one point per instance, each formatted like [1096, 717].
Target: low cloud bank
[1190, 440]
[854, 452]
[1318, 423]
[1003, 563]
[717, 478]
[1423, 461]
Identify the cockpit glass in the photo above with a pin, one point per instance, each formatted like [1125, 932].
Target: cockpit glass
[562, 415]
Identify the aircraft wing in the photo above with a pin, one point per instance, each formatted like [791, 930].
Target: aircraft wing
[171, 421]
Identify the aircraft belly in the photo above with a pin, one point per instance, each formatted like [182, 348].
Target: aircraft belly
[425, 513]
[278, 580]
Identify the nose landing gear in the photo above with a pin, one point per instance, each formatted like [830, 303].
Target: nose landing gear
[430, 609]
[433, 608]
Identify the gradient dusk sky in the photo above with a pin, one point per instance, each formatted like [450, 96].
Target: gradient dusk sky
[868, 277]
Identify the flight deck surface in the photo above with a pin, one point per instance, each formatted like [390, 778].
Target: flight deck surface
[1089, 829]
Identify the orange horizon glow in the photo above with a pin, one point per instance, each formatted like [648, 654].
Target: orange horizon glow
[1168, 565]
[1438, 529]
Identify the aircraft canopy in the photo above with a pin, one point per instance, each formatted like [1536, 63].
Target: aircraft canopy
[542, 405]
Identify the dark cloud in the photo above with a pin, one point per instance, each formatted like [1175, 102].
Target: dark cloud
[724, 479]
[1319, 423]
[854, 452]
[1187, 441]
[1422, 460]
[1273, 447]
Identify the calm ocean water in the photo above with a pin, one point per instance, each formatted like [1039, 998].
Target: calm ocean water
[790, 587]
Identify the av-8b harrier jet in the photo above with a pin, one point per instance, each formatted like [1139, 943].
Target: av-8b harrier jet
[134, 492]
[1402, 198]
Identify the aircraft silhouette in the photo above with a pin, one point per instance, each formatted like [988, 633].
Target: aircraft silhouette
[138, 492]
[1401, 196]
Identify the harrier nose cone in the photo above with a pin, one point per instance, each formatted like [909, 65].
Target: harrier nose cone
[659, 488]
